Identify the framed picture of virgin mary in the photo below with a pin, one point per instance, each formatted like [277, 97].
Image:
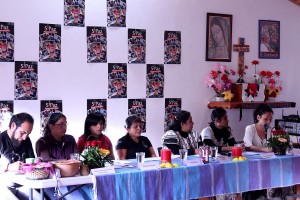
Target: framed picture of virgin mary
[218, 37]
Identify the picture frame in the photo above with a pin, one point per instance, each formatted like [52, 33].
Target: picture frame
[218, 37]
[269, 39]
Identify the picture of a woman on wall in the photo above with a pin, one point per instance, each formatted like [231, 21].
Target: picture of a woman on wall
[218, 38]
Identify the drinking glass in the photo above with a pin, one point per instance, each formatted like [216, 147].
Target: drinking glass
[205, 152]
[183, 154]
[74, 156]
[140, 157]
[214, 152]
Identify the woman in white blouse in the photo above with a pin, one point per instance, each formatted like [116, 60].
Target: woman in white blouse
[257, 134]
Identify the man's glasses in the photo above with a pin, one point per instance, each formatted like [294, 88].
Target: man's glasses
[62, 124]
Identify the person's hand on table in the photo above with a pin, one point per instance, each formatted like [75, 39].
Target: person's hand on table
[15, 167]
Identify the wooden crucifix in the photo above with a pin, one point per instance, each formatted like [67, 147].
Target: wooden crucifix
[241, 48]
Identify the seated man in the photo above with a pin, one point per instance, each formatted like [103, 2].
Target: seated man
[15, 147]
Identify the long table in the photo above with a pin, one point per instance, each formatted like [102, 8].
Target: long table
[186, 182]
[202, 181]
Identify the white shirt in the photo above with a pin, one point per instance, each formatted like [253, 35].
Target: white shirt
[251, 137]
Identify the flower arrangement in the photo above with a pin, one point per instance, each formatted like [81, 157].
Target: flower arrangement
[272, 82]
[242, 73]
[279, 141]
[256, 76]
[94, 156]
[219, 79]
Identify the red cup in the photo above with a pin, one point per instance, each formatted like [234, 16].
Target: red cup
[237, 151]
[165, 155]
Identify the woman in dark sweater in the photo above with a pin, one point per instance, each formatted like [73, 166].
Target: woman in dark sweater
[218, 133]
[56, 144]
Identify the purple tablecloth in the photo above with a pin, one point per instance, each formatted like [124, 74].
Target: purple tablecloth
[200, 181]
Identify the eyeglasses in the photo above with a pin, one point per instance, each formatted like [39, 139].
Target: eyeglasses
[62, 124]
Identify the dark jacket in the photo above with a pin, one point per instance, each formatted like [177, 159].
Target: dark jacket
[47, 148]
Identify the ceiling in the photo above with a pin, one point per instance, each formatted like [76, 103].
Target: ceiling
[297, 2]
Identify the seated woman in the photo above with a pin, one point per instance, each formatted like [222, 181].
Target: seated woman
[133, 142]
[256, 139]
[256, 134]
[57, 145]
[181, 135]
[218, 133]
[93, 127]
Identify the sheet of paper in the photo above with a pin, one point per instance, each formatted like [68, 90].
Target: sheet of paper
[296, 152]
[149, 165]
[193, 162]
[267, 155]
[223, 159]
[250, 153]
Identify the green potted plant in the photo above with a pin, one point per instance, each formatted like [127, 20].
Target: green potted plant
[93, 156]
[279, 142]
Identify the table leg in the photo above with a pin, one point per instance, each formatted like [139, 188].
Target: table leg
[74, 189]
[30, 194]
[42, 193]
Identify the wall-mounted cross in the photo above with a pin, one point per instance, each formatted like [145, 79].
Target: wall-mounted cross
[241, 48]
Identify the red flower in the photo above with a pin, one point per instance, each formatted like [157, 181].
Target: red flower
[277, 73]
[272, 81]
[224, 77]
[252, 88]
[214, 74]
[246, 67]
[94, 143]
[255, 62]
[263, 73]
[269, 74]
[88, 143]
[273, 94]
[278, 132]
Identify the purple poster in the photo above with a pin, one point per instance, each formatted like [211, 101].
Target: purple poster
[48, 107]
[155, 81]
[26, 80]
[117, 80]
[136, 46]
[172, 47]
[138, 107]
[50, 43]
[74, 12]
[7, 39]
[172, 106]
[116, 13]
[96, 44]
[6, 112]
[97, 106]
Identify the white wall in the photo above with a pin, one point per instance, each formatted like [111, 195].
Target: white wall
[74, 81]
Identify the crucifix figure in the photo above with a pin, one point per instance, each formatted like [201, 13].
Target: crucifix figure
[241, 48]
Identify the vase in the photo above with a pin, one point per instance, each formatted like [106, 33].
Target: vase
[279, 150]
[219, 98]
[84, 170]
[271, 99]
